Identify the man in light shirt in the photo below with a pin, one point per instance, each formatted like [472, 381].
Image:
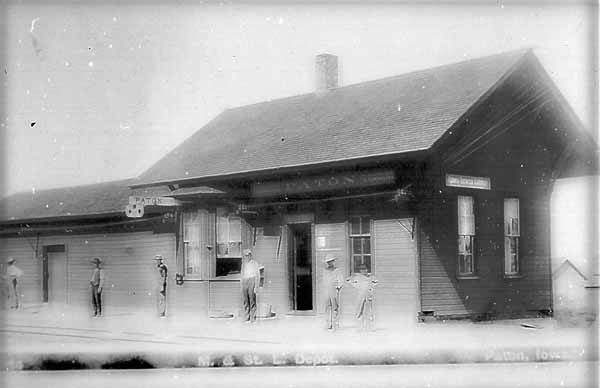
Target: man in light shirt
[250, 282]
[97, 285]
[13, 274]
[333, 281]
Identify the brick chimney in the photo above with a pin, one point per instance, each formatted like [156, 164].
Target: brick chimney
[327, 72]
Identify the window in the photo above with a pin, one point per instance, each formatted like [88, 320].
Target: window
[466, 236]
[360, 244]
[191, 245]
[229, 243]
[196, 230]
[512, 232]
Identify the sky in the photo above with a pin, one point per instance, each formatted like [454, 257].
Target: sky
[101, 92]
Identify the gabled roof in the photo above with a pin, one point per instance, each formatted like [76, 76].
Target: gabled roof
[564, 266]
[390, 116]
[76, 201]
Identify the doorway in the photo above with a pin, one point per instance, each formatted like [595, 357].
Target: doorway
[301, 267]
[54, 269]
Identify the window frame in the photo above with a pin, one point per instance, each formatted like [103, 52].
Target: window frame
[510, 236]
[361, 235]
[461, 257]
[185, 241]
[227, 257]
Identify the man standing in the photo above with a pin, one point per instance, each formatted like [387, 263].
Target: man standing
[250, 282]
[333, 281]
[365, 284]
[97, 285]
[13, 274]
[162, 286]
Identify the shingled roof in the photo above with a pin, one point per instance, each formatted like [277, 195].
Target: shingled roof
[389, 116]
[76, 201]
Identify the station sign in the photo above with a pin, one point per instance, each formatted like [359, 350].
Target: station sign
[315, 183]
[470, 182]
[135, 208]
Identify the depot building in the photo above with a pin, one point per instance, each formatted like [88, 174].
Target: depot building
[437, 182]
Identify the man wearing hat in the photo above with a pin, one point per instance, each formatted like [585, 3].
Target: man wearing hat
[97, 285]
[162, 286]
[333, 281]
[13, 274]
[250, 281]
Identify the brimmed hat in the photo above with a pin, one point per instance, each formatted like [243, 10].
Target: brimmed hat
[329, 258]
[11, 260]
[247, 252]
[96, 260]
[158, 257]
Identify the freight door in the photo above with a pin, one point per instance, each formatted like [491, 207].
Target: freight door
[55, 274]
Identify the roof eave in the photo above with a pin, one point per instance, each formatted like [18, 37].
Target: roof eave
[61, 218]
[413, 154]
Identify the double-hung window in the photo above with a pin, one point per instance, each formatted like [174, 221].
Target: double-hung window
[192, 256]
[466, 236]
[360, 244]
[512, 234]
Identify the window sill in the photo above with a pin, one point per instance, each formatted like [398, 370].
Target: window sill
[518, 276]
[467, 277]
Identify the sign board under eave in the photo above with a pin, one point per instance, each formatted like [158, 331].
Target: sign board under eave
[315, 183]
[470, 182]
[135, 208]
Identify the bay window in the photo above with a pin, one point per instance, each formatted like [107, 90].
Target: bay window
[229, 243]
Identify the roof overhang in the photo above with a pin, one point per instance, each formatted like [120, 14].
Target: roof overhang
[270, 172]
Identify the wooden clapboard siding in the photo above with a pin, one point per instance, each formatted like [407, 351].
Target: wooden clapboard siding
[275, 290]
[226, 296]
[395, 267]
[336, 243]
[131, 276]
[189, 297]
[445, 294]
[23, 250]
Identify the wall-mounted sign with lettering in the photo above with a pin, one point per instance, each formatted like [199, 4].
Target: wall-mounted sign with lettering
[342, 180]
[471, 182]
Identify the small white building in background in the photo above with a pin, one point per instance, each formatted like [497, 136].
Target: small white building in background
[574, 293]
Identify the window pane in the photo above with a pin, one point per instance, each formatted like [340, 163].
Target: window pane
[465, 205]
[367, 262]
[366, 245]
[235, 229]
[469, 264]
[511, 216]
[366, 225]
[235, 249]
[222, 229]
[461, 245]
[511, 255]
[222, 249]
[469, 245]
[356, 246]
[186, 255]
[355, 225]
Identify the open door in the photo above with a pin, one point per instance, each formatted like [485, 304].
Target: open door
[300, 267]
[54, 279]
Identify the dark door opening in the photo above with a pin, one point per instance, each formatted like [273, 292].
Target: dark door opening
[54, 273]
[300, 264]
